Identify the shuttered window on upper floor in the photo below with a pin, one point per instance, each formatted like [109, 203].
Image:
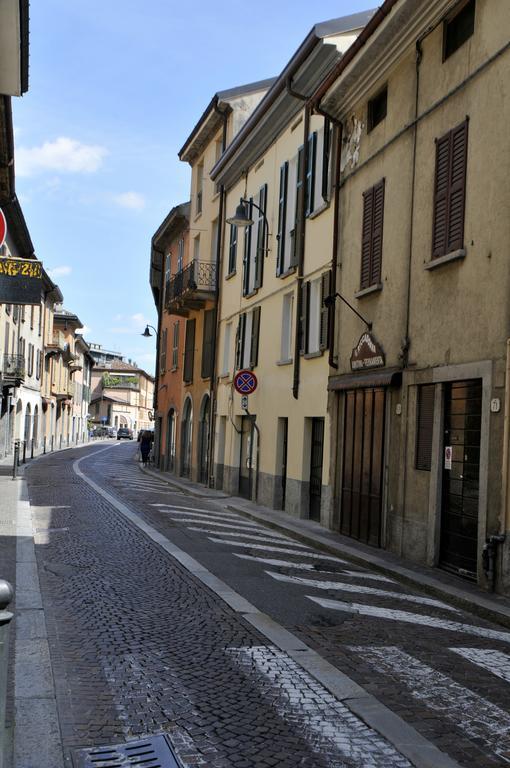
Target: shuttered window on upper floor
[424, 426]
[450, 191]
[247, 339]
[372, 235]
[232, 250]
[207, 343]
[314, 315]
[189, 351]
[162, 351]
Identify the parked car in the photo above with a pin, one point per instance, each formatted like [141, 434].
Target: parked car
[123, 433]
[112, 432]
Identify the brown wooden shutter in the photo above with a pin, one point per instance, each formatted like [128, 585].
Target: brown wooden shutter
[282, 218]
[189, 351]
[162, 352]
[450, 191]
[207, 343]
[255, 332]
[303, 318]
[366, 237]
[324, 318]
[424, 426]
[455, 238]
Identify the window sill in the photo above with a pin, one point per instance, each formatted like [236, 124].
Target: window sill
[285, 362]
[230, 275]
[224, 375]
[290, 271]
[446, 259]
[311, 355]
[197, 216]
[317, 212]
[249, 295]
[367, 291]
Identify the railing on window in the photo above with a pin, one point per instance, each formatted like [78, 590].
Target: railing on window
[197, 276]
[13, 366]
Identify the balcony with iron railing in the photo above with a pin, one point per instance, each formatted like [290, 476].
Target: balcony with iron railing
[13, 370]
[191, 287]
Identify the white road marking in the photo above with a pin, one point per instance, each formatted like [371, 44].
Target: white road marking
[282, 550]
[412, 618]
[208, 518]
[282, 563]
[272, 538]
[371, 576]
[326, 723]
[360, 590]
[470, 712]
[494, 661]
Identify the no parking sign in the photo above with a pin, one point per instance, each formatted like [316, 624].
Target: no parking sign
[245, 382]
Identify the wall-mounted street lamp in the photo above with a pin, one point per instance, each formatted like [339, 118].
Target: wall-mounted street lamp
[147, 333]
[329, 302]
[241, 218]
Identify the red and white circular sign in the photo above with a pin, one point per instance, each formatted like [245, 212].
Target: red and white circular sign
[3, 227]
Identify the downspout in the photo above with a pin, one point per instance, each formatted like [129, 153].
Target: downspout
[217, 301]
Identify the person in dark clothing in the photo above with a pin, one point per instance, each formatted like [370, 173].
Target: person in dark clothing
[145, 445]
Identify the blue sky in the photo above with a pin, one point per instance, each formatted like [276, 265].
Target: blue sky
[116, 86]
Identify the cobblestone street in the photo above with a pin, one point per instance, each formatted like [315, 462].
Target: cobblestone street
[140, 645]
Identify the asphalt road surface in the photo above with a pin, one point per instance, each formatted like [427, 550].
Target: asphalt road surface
[141, 645]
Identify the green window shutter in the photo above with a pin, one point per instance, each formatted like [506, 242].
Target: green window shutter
[254, 343]
[300, 186]
[326, 158]
[310, 172]
[207, 343]
[324, 317]
[303, 318]
[247, 252]
[261, 238]
[189, 351]
[240, 341]
[282, 218]
[232, 249]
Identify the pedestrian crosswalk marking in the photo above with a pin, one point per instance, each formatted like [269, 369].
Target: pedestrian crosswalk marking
[284, 563]
[471, 713]
[208, 518]
[254, 535]
[494, 661]
[322, 720]
[359, 589]
[282, 550]
[411, 618]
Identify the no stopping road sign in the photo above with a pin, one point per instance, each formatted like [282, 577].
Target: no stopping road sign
[245, 382]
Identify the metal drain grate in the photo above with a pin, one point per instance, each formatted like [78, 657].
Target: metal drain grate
[154, 752]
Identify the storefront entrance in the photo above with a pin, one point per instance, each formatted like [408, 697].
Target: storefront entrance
[362, 477]
[461, 477]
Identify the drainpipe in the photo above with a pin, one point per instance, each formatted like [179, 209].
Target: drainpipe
[217, 301]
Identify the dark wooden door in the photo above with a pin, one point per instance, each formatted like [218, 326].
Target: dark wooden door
[317, 451]
[363, 465]
[246, 458]
[283, 427]
[204, 444]
[459, 509]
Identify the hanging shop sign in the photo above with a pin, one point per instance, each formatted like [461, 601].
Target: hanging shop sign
[367, 354]
[20, 281]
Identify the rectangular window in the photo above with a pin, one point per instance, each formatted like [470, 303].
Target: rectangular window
[30, 359]
[372, 235]
[39, 329]
[207, 343]
[424, 426]
[377, 109]
[227, 339]
[162, 351]
[196, 248]
[248, 339]
[189, 351]
[232, 249]
[286, 342]
[38, 365]
[450, 191]
[254, 244]
[310, 172]
[314, 315]
[175, 347]
[458, 28]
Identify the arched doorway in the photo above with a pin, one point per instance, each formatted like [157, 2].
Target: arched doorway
[28, 419]
[203, 440]
[186, 438]
[170, 441]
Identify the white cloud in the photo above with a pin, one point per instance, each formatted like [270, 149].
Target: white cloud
[86, 331]
[63, 155]
[131, 200]
[133, 324]
[60, 271]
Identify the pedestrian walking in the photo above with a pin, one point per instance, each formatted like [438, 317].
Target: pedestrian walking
[145, 440]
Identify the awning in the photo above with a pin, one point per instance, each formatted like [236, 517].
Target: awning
[390, 377]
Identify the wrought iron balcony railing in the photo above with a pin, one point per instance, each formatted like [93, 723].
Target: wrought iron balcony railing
[13, 367]
[197, 278]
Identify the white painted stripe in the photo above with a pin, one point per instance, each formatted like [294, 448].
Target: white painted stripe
[359, 589]
[201, 512]
[412, 618]
[471, 713]
[213, 523]
[204, 517]
[282, 563]
[282, 550]
[254, 536]
[494, 661]
[324, 722]
[371, 576]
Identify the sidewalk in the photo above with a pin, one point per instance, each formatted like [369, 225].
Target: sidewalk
[433, 581]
